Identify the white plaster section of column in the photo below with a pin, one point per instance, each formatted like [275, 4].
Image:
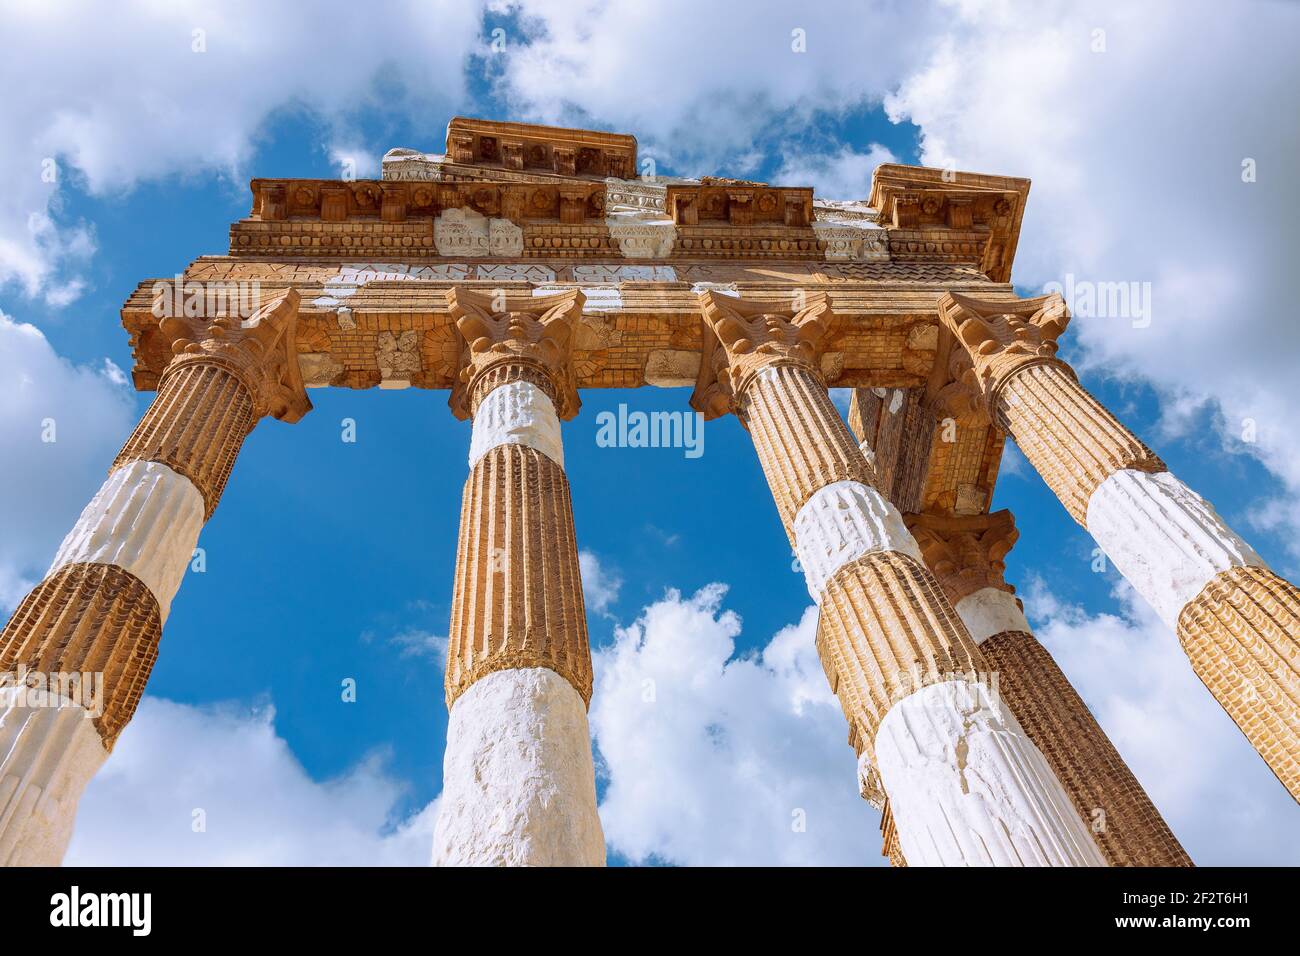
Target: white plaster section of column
[1164, 538]
[990, 611]
[841, 522]
[144, 519]
[519, 788]
[968, 788]
[49, 750]
[517, 413]
[519, 785]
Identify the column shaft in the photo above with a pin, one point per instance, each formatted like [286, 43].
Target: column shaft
[930, 737]
[967, 555]
[518, 779]
[1237, 620]
[1078, 445]
[77, 653]
[1128, 828]
[101, 609]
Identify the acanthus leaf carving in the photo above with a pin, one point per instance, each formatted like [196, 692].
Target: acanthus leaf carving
[261, 350]
[1003, 336]
[743, 337]
[500, 330]
[965, 552]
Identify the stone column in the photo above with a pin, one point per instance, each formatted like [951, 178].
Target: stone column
[889, 837]
[965, 553]
[76, 655]
[1237, 620]
[519, 788]
[965, 784]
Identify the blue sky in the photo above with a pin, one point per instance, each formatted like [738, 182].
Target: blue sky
[328, 560]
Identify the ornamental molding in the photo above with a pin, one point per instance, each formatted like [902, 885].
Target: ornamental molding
[622, 195]
[966, 552]
[526, 146]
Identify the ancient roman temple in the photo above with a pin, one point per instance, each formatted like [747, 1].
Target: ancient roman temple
[527, 263]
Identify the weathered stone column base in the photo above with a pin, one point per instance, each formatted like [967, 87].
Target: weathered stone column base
[519, 788]
[48, 753]
[967, 787]
[1242, 635]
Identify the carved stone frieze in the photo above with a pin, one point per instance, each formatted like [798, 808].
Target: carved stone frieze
[464, 232]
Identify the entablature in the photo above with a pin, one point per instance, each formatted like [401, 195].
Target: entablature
[641, 323]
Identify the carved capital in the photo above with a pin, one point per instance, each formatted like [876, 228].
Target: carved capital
[965, 552]
[531, 334]
[259, 350]
[741, 338]
[1003, 336]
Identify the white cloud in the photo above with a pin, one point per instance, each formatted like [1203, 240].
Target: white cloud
[713, 759]
[147, 105]
[706, 92]
[45, 484]
[354, 161]
[113, 372]
[600, 585]
[415, 642]
[260, 807]
[842, 174]
[1218, 797]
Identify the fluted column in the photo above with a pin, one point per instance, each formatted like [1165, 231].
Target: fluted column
[1237, 620]
[964, 783]
[518, 781]
[889, 837]
[966, 554]
[76, 655]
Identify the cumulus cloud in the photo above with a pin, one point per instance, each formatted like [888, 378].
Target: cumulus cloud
[705, 93]
[227, 767]
[600, 585]
[416, 642]
[354, 161]
[842, 174]
[716, 759]
[1220, 799]
[185, 88]
[60, 425]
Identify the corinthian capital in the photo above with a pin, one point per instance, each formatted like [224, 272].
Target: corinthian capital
[532, 335]
[1003, 336]
[260, 350]
[741, 338]
[965, 552]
